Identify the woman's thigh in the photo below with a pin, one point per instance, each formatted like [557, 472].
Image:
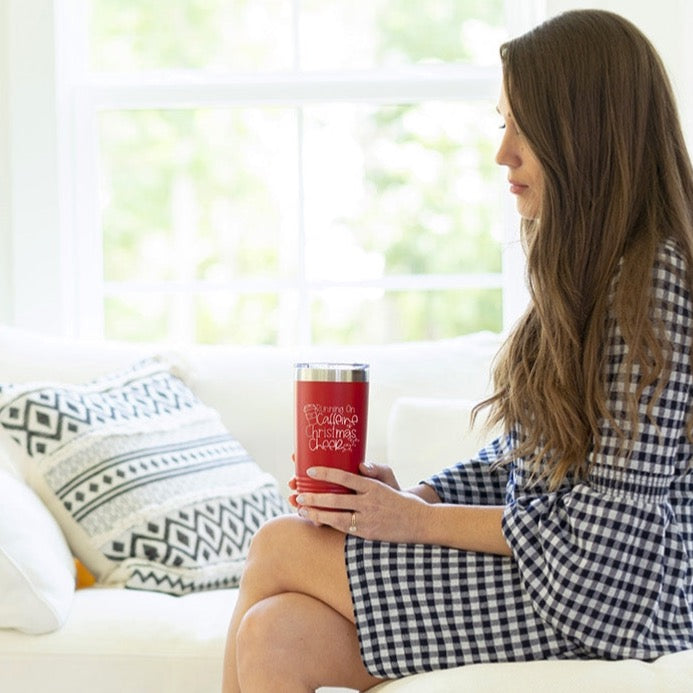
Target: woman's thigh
[290, 554]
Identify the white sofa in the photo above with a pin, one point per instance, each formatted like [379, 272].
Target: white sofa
[113, 640]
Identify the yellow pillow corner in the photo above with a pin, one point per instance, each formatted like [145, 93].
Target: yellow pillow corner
[84, 578]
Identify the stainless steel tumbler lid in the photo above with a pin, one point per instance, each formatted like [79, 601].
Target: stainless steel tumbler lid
[333, 372]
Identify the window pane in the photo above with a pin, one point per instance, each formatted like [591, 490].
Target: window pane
[392, 190]
[339, 34]
[190, 34]
[207, 319]
[368, 316]
[238, 319]
[225, 224]
[204, 194]
[257, 34]
[138, 318]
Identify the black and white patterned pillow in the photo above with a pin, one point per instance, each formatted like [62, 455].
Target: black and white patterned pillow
[149, 487]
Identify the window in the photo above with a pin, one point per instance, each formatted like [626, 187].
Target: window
[286, 172]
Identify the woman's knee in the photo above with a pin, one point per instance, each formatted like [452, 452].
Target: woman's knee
[263, 639]
[255, 630]
[271, 548]
[288, 535]
[279, 561]
[274, 537]
[294, 637]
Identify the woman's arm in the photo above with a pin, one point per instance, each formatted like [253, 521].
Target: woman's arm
[384, 513]
[468, 527]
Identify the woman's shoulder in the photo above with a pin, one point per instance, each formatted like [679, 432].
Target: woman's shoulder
[671, 271]
[671, 256]
[672, 288]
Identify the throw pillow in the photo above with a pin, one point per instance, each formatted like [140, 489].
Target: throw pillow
[150, 488]
[84, 577]
[37, 580]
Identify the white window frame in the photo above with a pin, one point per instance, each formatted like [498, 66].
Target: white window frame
[56, 269]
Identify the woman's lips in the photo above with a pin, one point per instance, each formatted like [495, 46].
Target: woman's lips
[517, 188]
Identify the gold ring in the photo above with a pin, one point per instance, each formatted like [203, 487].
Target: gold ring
[352, 526]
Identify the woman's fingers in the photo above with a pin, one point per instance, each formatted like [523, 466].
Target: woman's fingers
[381, 472]
[331, 501]
[369, 469]
[371, 510]
[292, 485]
[354, 482]
[343, 520]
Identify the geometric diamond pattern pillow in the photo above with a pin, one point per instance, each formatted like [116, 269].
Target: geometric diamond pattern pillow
[149, 487]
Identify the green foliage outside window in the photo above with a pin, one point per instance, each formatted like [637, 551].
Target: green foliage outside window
[200, 212]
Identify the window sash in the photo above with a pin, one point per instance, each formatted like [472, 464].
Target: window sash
[175, 90]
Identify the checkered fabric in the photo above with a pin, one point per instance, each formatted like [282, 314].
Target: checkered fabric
[600, 569]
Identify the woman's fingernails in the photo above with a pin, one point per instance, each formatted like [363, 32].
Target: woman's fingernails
[311, 471]
[303, 512]
[301, 500]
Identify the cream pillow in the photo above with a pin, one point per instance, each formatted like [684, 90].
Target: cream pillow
[37, 573]
[427, 434]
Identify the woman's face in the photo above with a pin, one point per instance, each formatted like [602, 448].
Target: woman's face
[525, 174]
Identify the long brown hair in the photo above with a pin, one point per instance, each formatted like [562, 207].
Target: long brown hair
[592, 98]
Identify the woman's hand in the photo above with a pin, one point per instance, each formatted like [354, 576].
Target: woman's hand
[381, 472]
[376, 510]
[292, 486]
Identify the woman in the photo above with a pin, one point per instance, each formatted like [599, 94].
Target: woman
[570, 536]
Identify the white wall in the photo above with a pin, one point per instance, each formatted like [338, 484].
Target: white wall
[5, 214]
[31, 286]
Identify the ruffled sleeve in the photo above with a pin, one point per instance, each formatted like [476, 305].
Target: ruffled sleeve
[474, 482]
[607, 562]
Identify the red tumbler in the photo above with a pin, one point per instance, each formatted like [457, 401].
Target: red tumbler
[331, 421]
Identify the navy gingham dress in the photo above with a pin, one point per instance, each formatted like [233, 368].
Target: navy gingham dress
[600, 569]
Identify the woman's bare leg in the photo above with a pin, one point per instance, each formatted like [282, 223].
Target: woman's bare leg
[290, 556]
[295, 644]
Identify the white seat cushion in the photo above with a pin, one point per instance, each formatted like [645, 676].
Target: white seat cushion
[117, 641]
[670, 674]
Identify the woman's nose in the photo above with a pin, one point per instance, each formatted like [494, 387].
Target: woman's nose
[507, 153]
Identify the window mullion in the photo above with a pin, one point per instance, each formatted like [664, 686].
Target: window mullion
[180, 90]
[303, 307]
[89, 280]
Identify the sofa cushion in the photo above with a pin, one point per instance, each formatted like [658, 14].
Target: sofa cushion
[124, 641]
[36, 571]
[150, 488]
[671, 673]
[427, 434]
